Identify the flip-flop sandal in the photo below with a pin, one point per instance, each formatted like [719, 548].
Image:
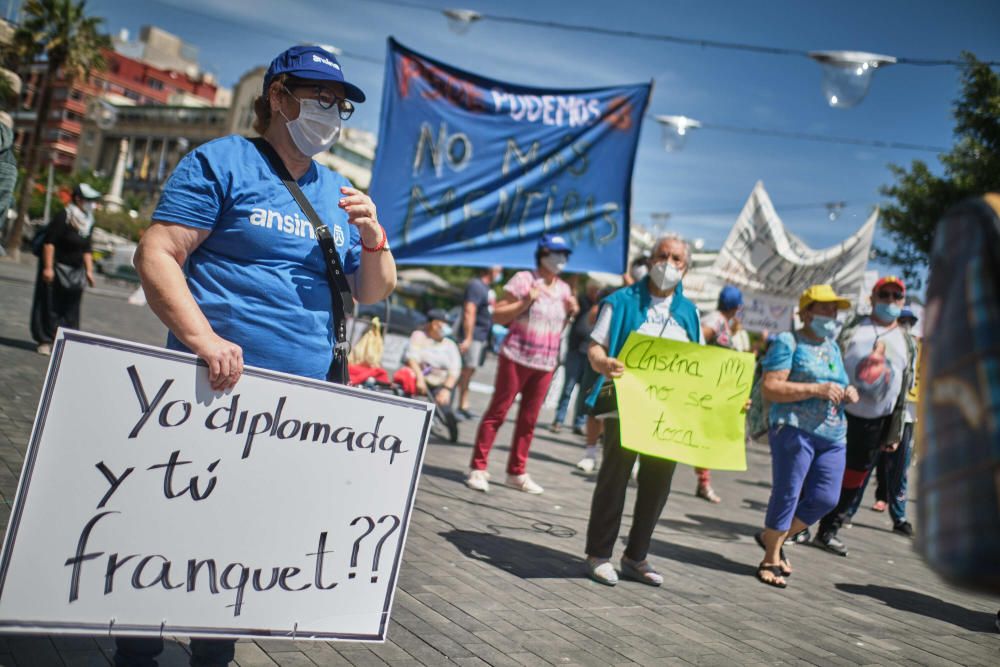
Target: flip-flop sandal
[759, 538]
[775, 571]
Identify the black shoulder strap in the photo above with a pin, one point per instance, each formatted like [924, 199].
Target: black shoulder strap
[339, 288]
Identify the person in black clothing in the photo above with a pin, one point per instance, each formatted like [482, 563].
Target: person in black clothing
[64, 263]
[473, 333]
[576, 362]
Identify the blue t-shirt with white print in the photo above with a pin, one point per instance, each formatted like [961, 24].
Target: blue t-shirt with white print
[260, 276]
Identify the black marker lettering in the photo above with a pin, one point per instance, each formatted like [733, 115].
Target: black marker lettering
[145, 406]
[115, 482]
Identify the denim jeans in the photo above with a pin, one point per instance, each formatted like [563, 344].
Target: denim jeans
[574, 366]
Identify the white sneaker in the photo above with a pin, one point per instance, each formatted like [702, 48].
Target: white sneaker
[602, 571]
[478, 480]
[524, 483]
[587, 464]
[44, 349]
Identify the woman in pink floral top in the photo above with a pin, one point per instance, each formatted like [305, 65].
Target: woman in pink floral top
[535, 306]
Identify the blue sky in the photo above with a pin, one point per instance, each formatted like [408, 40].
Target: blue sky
[705, 185]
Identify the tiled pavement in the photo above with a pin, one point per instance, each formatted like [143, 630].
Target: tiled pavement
[497, 579]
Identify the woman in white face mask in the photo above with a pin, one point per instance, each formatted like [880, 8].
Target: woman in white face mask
[536, 305]
[658, 304]
[65, 266]
[807, 385]
[232, 263]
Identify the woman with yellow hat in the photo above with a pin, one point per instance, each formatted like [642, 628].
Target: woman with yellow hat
[807, 386]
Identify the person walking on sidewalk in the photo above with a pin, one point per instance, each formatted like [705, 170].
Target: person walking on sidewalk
[891, 468]
[473, 331]
[719, 330]
[655, 306]
[228, 285]
[807, 386]
[576, 361]
[879, 356]
[535, 305]
[65, 267]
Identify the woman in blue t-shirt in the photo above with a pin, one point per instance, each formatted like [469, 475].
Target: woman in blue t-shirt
[807, 386]
[232, 265]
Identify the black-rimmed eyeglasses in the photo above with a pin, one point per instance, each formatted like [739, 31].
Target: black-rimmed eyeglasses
[327, 100]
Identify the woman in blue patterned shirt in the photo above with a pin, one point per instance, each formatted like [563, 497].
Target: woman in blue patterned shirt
[807, 386]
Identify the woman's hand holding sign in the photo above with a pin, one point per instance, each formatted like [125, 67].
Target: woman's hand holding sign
[224, 360]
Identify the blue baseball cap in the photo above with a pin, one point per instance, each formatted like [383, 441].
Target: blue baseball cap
[312, 62]
[907, 314]
[730, 297]
[554, 243]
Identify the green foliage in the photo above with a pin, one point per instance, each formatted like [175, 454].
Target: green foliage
[62, 186]
[121, 223]
[70, 42]
[8, 98]
[61, 31]
[971, 168]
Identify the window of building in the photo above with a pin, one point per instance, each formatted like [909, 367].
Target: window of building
[154, 84]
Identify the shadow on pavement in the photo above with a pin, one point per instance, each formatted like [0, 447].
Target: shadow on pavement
[711, 527]
[755, 505]
[18, 343]
[760, 483]
[687, 556]
[925, 605]
[449, 474]
[521, 559]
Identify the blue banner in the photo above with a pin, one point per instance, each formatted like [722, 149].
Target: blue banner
[471, 171]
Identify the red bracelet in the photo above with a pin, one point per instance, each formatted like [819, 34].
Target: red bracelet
[380, 246]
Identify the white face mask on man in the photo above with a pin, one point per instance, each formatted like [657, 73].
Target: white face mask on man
[665, 275]
[316, 128]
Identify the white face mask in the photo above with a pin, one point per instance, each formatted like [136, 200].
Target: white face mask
[316, 128]
[665, 275]
[638, 272]
[88, 207]
[555, 262]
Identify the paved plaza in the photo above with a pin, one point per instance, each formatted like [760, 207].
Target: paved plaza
[498, 579]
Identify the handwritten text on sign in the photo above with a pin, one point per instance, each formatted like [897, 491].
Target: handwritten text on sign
[149, 503]
[684, 402]
[473, 170]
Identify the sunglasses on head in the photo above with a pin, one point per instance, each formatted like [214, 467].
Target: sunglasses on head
[887, 294]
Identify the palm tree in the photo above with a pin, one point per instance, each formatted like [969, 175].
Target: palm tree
[70, 42]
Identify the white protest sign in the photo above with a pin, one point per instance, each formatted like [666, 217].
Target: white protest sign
[150, 504]
[762, 312]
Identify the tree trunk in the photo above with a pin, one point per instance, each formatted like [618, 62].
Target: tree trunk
[31, 163]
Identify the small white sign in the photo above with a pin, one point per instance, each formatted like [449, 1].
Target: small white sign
[150, 504]
[763, 312]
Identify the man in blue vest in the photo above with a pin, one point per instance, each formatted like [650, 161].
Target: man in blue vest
[655, 306]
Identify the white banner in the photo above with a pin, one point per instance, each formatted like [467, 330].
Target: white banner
[150, 504]
[761, 257]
